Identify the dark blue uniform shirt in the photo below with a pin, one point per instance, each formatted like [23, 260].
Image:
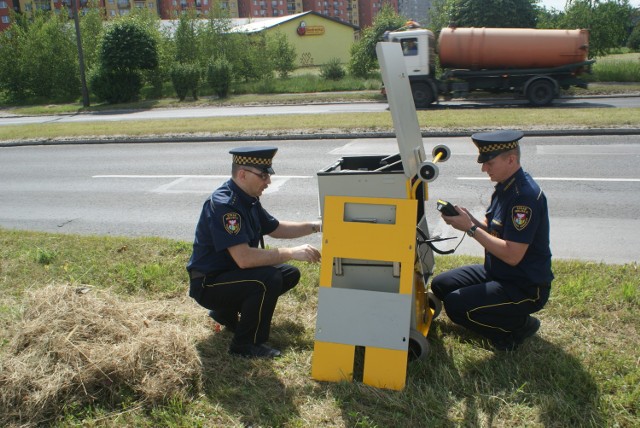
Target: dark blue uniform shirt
[518, 212]
[229, 217]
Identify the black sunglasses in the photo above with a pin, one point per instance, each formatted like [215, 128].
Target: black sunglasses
[263, 175]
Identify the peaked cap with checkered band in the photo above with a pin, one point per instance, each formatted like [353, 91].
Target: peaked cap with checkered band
[491, 144]
[257, 157]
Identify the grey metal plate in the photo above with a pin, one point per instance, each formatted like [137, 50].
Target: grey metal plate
[363, 318]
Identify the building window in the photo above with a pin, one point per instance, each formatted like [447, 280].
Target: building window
[6, 20]
[3, 5]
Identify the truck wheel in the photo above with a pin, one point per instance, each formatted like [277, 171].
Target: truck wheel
[541, 92]
[422, 94]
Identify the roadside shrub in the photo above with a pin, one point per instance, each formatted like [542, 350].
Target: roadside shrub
[283, 54]
[39, 59]
[251, 60]
[185, 79]
[128, 45]
[116, 86]
[633, 42]
[332, 70]
[126, 51]
[219, 76]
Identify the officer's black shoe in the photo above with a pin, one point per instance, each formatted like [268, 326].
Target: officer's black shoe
[506, 345]
[529, 328]
[229, 322]
[517, 337]
[254, 351]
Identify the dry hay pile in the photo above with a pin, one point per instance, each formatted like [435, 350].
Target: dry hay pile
[75, 347]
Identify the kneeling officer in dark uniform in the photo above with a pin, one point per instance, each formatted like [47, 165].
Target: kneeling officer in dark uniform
[497, 298]
[230, 274]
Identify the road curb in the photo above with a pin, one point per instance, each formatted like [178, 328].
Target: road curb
[308, 136]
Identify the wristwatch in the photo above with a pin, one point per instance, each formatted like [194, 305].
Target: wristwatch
[472, 230]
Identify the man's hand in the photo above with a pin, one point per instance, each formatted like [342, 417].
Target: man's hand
[305, 253]
[463, 221]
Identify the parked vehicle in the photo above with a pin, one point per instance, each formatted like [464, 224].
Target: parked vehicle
[532, 63]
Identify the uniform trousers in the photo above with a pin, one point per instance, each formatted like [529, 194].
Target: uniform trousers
[251, 292]
[491, 308]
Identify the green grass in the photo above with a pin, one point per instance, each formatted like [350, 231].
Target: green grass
[581, 370]
[435, 120]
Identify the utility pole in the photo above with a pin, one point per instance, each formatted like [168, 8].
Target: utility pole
[83, 79]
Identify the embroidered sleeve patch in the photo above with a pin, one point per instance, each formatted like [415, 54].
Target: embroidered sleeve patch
[521, 216]
[232, 223]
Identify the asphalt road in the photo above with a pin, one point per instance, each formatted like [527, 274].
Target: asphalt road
[592, 183]
[199, 112]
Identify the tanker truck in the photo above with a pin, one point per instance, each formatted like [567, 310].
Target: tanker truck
[530, 63]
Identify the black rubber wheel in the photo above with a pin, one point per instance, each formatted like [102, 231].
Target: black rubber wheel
[541, 93]
[422, 94]
[418, 346]
[434, 303]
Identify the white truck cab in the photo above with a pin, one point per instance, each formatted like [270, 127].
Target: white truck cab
[418, 49]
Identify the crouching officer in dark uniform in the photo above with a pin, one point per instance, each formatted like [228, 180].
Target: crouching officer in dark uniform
[496, 299]
[230, 274]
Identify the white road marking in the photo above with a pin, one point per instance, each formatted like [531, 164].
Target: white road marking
[201, 183]
[192, 176]
[620, 180]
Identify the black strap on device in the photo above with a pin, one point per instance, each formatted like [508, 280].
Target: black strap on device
[430, 241]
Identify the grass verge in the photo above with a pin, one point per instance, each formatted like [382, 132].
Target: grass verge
[436, 120]
[581, 370]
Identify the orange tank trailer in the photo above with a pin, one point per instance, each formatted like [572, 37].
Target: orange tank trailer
[511, 48]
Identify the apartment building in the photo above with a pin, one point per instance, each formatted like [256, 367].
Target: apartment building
[6, 6]
[171, 9]
[355, 12]
[369, 9]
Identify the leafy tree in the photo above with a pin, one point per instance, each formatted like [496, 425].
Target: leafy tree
[250, 57]
[608, 22]
[494, 13]
[186, 79]
[127, 49]
[633, 42]
[166, 47]
[283, 54]
[11, 41]
[91, 29]
[549, 18]
[219, 76]
[41, 58]
[483, 13]
[116, 86]
[363, 53]
[440, 14]
[186, 38]
[128, 46]
[214, 40]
